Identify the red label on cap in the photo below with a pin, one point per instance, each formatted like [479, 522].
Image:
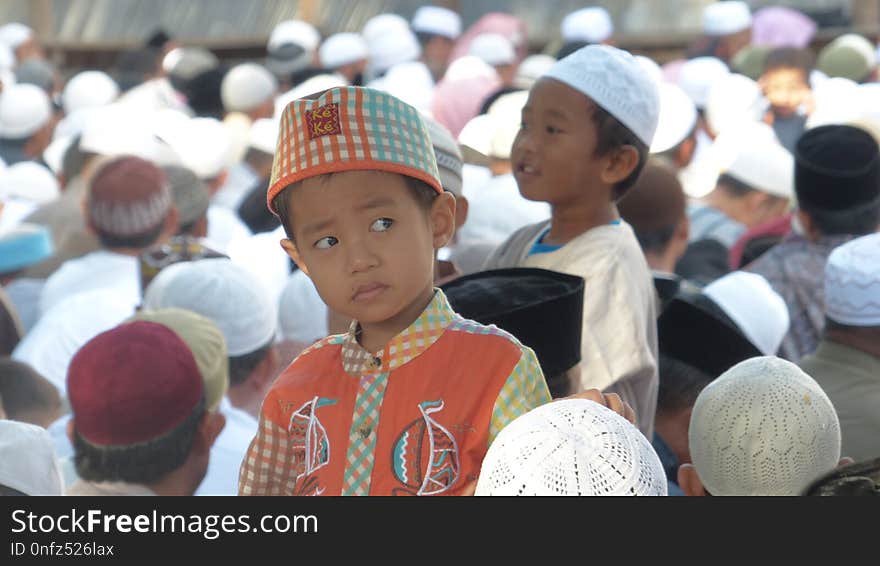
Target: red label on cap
[323, 121]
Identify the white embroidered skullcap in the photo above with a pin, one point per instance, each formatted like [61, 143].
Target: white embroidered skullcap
[54, 153]
[732, 100]
[448, 154]
[222, 291]
[88, 89]
[592, 25]
[24, 109]
[571, 447]
[697, 76]
[29, 181]
[493, 48]
[678, 118]
[531, 69]
[616, 82]
[397, 46]
[341, 49]
[294, 31]
[725, 18]
[203, 144]
[763, 164]
[437, 20]
[383, 24]
[246, 87]
[506, 114]
[27, 459]
[302, 315]
[764, 427]
[318, 83]
[14, 34]
[852, 282]
[264, 135]
[750, 302]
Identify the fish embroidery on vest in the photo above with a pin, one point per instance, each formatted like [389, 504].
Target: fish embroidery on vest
[425, 457]
[311, 446]
[323, 121]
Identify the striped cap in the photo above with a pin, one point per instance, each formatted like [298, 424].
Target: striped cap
[351, 129]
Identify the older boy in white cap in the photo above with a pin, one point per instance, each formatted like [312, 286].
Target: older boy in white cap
[436, 28]
[847, 361]
[26, 123]
[583, 142]
[763, 428]
[248, 94]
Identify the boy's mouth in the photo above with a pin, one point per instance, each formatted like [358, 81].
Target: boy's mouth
[526, 169]
[368, 291]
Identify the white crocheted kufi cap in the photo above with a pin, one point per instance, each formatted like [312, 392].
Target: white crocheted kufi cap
[571, 447]
[247, 86]
[678, 118]
[437, 20]
[852, 282]
[698, 75]
[614, 80]
[592, 25]
[759, 311]
[725, 18]
[764, 427]
[342, 49]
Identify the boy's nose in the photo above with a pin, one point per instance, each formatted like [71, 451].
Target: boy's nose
[361, 258]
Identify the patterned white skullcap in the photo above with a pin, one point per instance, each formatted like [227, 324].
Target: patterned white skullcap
[764, 427]
[592, 25]
[725, 18]
[614, 80]
[571, 447]
[852, 282]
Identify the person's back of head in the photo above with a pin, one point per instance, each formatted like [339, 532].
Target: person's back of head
[850, 56]
[764, 427]
[857, 478]
[837, 181]
[27, 396]
[28, 465]
[129, 205]
[191, 199]
[655, 207]
[571, 447]
[138, 409]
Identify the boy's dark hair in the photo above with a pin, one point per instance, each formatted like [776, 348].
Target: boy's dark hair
[680, 384]
[240, 367]
[613, 135]
[656, 240]
[142, 463]
[790, 58]
[425, 37]
[859, 478]
[859, 221]
[422, 192]
[24, 392]
[136, 241]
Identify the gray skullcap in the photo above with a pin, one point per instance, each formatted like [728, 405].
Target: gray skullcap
[189, 193]
[448, 154]
[37, 72]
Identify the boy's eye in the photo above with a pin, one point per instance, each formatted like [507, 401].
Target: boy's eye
[381, 224]
[326, 243]
[553, 130]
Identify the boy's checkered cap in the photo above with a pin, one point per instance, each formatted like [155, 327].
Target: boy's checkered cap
[351, 129]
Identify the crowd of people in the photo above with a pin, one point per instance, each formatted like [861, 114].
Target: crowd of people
[417, 259]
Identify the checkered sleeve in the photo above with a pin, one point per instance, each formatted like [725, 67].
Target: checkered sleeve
[524, 390]
[269, 467]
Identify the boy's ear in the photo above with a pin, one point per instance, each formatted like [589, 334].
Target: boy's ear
[621, 163]
[290, 249]
[689, 481]
[442, 219]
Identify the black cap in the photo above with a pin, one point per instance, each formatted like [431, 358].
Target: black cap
[542, 309]
[836, 168]
[693, 329]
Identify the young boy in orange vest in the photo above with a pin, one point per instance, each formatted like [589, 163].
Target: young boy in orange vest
[409, 400]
